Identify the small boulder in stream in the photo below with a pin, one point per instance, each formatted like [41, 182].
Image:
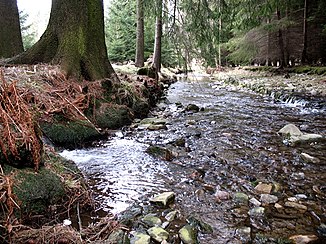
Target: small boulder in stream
[188, 234]
[192, 108]
[163, 199]
[158, 234]
[293, 134]
[303, 239]
[309, 159]
[139, 238]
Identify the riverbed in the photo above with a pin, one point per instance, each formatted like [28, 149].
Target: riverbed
[229, 145]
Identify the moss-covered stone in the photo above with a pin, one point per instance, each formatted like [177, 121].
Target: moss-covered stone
[112, 116]
[70, 134]
[37, 191]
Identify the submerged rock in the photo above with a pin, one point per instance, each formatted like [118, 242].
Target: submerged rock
[139, 238]
[240, 197]
[268, 199]
[264, 188]
[188, 234]
[297, 206]
[257, 211]
[152, 220]
[303, 239]
[309, 159]
[163, 199]
[158, 234]
[192, 107]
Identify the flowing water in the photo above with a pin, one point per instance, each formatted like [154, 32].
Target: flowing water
[231, 144]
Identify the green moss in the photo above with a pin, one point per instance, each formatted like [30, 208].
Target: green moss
[36, 192]
[309, 69]
[71, 133]
[112, 116]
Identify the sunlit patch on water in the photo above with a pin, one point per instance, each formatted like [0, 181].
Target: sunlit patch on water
[120, 172]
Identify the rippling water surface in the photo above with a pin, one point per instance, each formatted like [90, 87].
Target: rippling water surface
[234, 141]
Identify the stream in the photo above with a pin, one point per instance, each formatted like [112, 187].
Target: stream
[230, 145]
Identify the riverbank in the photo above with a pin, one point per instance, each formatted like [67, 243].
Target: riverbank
[283, 86]
[42, 110]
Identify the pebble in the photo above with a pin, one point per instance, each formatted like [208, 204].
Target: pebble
[255, 202]
[268, 199]
[257, 211]
[240, 197]
[264, 188]
[300, 207]
[303, 239]
[309, 159]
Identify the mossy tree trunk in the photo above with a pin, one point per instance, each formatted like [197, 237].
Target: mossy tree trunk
[74, 38]
[10, 35]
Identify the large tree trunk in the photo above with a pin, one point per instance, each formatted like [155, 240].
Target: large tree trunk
[139, 62]
[158, 37]
[10, 35]
[74, 38]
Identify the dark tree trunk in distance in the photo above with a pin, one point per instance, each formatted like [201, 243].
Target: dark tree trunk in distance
[280, 41]
[139, 60]
[11, 42]
[158, 37]
[74, 38]
[304, 50]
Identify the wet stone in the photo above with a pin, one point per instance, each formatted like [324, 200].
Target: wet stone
[264, 188]
[188, 234]
[258, 211]
[139, 238]
[303, 239]
[290, 130]
[240, 197]
[305, 138]
[221, 195]
[152, 220]
[255, 202]
[297, 206]
[163, 199]
[158, 234]
[171, 215]
[268, 199]
[244, 233]
[309, 159]
[118, 237]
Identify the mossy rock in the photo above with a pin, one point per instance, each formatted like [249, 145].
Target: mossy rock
[35, 192]
[148, 71]
[112, 116]
[70, 134]
[141, 109]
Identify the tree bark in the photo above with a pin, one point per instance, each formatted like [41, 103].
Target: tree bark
[74, 38]
[304, 50]
[11, 42]
[139, 61]
[280, 41]
[158, 37]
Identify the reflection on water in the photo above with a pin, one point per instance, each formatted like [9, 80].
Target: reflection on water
[120, 172]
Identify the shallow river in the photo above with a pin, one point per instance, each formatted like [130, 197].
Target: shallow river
[231, 145]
